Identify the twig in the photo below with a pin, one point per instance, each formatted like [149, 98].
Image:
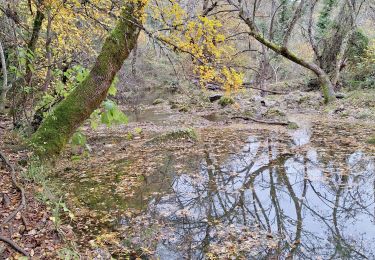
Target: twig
[260, 121]
[248, 85]
[24, 222]
[20, 207]
[17, 186]
[13, 245]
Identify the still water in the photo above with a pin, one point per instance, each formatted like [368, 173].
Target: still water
[312, 199]
[307, 193]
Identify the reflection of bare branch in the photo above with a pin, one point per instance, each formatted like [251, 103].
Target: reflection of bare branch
[237, 193]
[298, 207]
[261, 207]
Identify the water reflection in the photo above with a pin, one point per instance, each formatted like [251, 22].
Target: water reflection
[265, 204]
[147, 115]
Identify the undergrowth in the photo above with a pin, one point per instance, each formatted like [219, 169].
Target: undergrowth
[48, 193]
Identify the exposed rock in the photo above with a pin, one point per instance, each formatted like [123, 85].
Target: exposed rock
[339, 109]
[213, 87]
[340, 95]
[215, 97]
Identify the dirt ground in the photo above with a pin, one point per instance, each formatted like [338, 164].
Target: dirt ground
[31, 229]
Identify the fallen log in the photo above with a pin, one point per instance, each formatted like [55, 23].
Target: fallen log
[260, 121]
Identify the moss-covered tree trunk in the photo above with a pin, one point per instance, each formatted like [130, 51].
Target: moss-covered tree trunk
[326, 85]
[324, 80]
[58, 127]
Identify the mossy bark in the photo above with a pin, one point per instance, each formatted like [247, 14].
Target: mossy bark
[4, 88]
[334, 38]
[58, 127]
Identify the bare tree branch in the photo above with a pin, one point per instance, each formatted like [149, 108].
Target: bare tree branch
[297, 15]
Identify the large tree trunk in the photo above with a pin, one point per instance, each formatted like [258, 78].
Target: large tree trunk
[4, 89]
[334, 40]
[60, 125]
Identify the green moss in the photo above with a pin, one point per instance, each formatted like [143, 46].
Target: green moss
[303, 99]
[326, 95]
[344, 114]
[249, 113]
[371, 140]
[225, 101]
[129, 136]
[293, 126]
[158, 101]
[361, 98]
[188, 133]
[273, 112]
[61, 124]
[183, 109]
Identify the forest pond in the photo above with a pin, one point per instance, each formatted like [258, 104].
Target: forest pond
[307, 195]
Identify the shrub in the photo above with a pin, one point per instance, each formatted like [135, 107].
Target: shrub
[362, 73]
[225, 101]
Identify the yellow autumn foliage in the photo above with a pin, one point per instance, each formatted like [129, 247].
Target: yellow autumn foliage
[78, 27]
[203, 39]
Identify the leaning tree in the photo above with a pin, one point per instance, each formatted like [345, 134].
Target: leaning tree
[58, 127]
[334, 35]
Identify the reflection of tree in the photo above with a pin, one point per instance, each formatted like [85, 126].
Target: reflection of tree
[347, 190]
[310, 204]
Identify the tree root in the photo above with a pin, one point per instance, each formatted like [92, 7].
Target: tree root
[261, 121]
[13, 245]
[19, 208]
